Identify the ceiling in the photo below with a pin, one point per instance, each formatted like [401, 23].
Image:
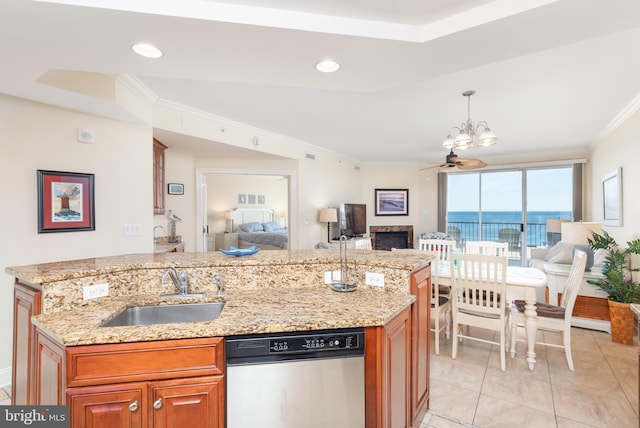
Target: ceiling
[550, 76]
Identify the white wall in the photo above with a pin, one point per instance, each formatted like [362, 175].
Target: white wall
[619, 149]
[36, 136]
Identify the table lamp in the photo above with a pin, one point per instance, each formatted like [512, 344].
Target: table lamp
[228, 217]
[328, 215]
[577, 234]
[554, 229]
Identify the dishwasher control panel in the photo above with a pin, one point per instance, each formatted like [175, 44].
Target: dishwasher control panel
[298, 344]
[314, 343]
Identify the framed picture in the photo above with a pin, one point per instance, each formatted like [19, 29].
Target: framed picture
[176, 189]
[242, 199]
[65, 201]
[252, 199]
[261, 199]
[612, 198]
[392, 201]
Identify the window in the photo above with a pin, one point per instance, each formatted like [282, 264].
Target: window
[158, 176]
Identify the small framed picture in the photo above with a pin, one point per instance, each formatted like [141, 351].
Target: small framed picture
[252, 199]
[176, 189]
[65, 202]
[261, 199]
[242, 199]
[392, 201]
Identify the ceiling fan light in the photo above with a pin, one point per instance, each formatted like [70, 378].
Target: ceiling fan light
[448, 142]
[488, 138]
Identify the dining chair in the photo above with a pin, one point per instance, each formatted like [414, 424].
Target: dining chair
[554, 318]
[440, 299]
[478, 299]
[442, 247]
[489, 248]
[364, 244]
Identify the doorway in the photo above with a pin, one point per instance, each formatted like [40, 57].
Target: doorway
[284, 213]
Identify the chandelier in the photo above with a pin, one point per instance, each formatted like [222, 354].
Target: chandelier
[468, 133]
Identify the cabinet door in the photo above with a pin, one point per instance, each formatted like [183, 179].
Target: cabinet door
[113, 406]
[420, 334]
[27, 302]
[192, 403]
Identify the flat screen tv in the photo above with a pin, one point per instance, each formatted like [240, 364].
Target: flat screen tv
[352, 220]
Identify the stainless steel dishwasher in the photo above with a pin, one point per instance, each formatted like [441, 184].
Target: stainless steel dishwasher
[313, 379]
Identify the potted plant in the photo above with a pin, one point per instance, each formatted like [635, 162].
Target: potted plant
[618, 283]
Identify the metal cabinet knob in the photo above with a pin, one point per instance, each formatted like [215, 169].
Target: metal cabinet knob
[133, 406]
[157, 404]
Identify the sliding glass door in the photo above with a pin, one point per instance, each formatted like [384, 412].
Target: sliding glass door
[508, 206]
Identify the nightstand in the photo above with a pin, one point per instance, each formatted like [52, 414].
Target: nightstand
[226, 240]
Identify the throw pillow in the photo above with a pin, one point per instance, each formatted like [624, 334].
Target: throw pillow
[272, 226]
[564, 257]
[557, 249]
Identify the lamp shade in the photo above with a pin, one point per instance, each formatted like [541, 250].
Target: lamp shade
[577, 233]
[328, 215]
[554, 225]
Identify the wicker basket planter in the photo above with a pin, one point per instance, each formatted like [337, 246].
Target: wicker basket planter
[622, 322]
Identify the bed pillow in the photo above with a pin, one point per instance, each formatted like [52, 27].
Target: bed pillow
[251, 227]
[272, 226]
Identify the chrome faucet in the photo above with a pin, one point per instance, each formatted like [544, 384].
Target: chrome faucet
[218, 281]
[179, 279]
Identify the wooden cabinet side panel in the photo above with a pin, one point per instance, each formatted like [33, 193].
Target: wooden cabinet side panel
[373, 378]
[49, 374]
[398, 371]
[27, 303]
[420, 343]
[193, 403]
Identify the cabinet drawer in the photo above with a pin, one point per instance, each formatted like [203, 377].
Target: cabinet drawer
[126, 362]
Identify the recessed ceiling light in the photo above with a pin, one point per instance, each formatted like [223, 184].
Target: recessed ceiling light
[146, 50]
[327, 66]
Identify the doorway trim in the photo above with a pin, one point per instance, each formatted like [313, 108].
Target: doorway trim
[201, 243]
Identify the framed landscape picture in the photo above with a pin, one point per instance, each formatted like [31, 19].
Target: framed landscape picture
[612, 198]
[392, 201]
[65, 201]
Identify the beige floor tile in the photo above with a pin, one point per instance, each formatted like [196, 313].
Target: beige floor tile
[591, 378]
[443, 422]
[608, 410]
[518, 390]
[457, 403]
[568, 423]
[466, 374]
[496, 413]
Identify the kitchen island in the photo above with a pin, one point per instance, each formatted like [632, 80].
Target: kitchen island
[274, 291]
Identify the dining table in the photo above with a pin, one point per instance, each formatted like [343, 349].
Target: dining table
[519, 278]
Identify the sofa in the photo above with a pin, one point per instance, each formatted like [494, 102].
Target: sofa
[560, 253]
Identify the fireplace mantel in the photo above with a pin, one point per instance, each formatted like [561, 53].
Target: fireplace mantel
[373, 230]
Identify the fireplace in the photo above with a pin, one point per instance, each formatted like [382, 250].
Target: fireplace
[388, 237]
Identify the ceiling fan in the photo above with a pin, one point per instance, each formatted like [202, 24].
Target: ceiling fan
[453, 163]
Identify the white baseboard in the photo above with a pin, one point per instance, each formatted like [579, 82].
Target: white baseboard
[5, 377]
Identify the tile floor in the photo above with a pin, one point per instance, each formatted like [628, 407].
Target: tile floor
[471, 391]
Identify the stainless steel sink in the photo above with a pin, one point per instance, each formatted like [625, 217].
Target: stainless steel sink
[165, 314]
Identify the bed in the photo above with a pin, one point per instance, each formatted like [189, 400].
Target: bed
[256, 226]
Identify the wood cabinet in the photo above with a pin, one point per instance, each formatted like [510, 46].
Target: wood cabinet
[27, 302]
[165, 384]
[388, 371]
[397, 362]
[420, 343]
[158, 176]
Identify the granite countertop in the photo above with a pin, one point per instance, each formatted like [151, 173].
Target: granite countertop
[64, 270]
[245, 312]
[166, 247]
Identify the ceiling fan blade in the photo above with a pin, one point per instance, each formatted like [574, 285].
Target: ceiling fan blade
[473, 165]
[470, 162]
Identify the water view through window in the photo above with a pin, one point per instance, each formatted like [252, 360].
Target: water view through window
[508, 206]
